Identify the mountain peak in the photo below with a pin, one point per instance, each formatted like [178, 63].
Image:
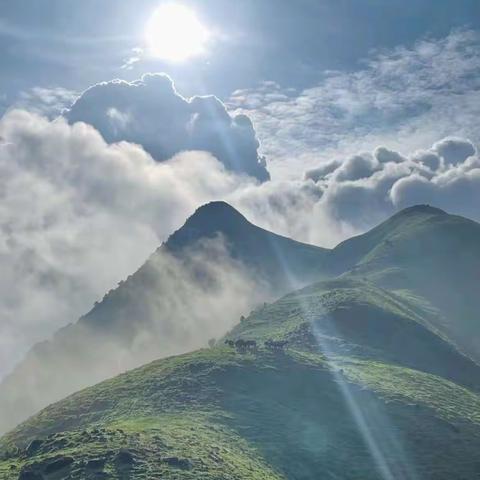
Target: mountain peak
[420, 208]
[269, 254]
[219, 209]
[207, 221]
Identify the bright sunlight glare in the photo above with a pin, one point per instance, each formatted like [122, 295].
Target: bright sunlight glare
[174, 33]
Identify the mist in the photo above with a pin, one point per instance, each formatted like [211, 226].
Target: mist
[170, 306]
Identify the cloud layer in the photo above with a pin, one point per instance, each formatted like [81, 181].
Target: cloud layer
[404, 98]
[347, 196]
[447, 176]
[151, 113]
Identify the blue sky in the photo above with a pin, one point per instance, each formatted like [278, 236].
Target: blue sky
[72, 44]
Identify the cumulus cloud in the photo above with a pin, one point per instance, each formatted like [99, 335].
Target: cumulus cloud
[454, 150]
[428, 158]
[385, 155]
[456, 190]
[322, 170]
[361, 192]
[356, 167]
[150, 112]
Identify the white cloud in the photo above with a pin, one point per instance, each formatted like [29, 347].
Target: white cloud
[50, 102]
[454, 150]
[178, 306]
[356, 167]
[447, 176]
[345, 197]
[403, 99]
[322, 170]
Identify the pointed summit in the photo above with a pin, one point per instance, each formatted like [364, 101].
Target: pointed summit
[216, 207]
[207, 221]
[278, 258]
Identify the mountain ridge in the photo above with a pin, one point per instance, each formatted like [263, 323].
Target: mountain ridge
[380, 256]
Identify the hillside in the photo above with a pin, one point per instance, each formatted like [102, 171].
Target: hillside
[365, 389]
[432, 254]
[218, 265]
[422, 255]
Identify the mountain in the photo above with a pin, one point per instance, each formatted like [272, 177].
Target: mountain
[423, 258]
[283, 262]
[431, 253]
[364, 389]
[158, 311]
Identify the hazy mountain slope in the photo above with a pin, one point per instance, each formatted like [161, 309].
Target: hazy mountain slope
[194, 287]
[278, 263]
[338, 403]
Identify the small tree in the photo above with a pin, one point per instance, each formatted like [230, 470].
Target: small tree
[211, 342]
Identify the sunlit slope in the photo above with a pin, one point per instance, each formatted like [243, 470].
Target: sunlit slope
[339, 402]
[432, 254]
[347, 317]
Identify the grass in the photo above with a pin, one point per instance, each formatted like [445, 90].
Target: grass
[218, 414]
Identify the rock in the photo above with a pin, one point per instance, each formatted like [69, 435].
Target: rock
[30, 475]
[124, 457]
[57, 465]
[33, 446]
[176, 462]
[100, 475]
[95, 464]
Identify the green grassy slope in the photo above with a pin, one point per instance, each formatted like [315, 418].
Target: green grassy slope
[431, 253]
[337, 403]
[426, 262]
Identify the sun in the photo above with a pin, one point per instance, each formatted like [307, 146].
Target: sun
[174, 33]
